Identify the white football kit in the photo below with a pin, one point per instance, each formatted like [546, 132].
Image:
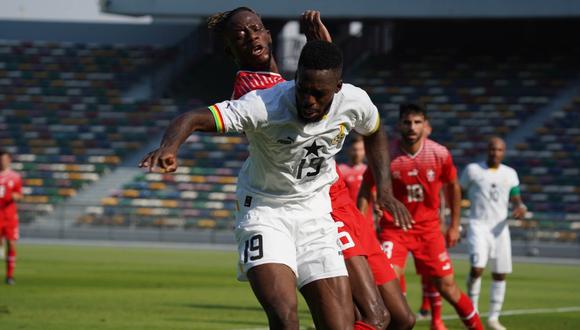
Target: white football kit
[489, 191]
[283, 187]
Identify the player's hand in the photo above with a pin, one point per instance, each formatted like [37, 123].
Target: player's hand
[313, 27]
[402, 217]
[519, 212]
[162, 158]
[452, 236]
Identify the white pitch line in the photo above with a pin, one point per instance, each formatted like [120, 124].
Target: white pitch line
[569, 309]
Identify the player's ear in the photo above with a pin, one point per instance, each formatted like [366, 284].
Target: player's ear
[338, 86]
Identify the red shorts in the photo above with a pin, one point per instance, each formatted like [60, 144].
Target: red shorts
[428, 250]
[358, 238]
[9, 231]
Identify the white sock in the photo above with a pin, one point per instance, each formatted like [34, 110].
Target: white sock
[497, 294]
[473, 289]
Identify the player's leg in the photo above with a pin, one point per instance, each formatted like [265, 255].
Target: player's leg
[401, 315]
[388, 265]
[365, 294]
[267, 258]
[501, 265]
[434, 301]
[11, 235]
[322, 274]
[479, 251]
[425, 308]
[433, 260]
[274, 285]
[330, 303]
[369, 305]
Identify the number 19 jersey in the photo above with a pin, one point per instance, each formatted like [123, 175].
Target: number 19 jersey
[417, 180]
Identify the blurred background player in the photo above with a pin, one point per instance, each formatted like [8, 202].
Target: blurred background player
[249, 43]
[10, 193]
[420, 168]
[490, 187]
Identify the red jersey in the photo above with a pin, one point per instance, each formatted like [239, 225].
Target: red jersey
[247, 81]
[353, 176]
[10, 182]
[417, 181]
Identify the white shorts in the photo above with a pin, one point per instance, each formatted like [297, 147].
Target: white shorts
[285, 233]
[490, 243]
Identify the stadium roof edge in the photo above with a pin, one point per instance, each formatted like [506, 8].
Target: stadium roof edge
[388, 9]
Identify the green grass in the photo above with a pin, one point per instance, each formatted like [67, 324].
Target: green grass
[61, 287]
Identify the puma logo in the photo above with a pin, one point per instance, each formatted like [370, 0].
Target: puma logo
[288, 140]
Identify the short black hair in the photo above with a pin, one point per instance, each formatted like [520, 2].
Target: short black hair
[217, 22]
[320, 55]
[5, 152]
[411, 108]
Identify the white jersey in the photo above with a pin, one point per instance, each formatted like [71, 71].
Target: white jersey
[489, 191]
[289, 159]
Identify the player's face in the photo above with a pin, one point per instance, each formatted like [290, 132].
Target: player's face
[495, 152]
[412, 128]
[357, 152]
[248, 41]
[315, 90]
[5, 162]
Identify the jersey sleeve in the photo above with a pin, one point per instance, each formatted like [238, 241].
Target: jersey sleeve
[18, 185]
[448, 170]
[465, 178]
[245, 114]
[515, 184]
[369, 119]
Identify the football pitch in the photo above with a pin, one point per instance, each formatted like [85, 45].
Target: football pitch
[81, 287]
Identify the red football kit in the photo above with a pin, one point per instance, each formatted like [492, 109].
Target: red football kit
[417, 180]
[353, 176]
[357, 235]
[10, 182]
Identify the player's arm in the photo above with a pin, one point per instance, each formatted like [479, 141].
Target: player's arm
[313, 27]
[17, 191]
[453, 197]
[165, 157]
[376, 148]
[520, 208]
[365, 196]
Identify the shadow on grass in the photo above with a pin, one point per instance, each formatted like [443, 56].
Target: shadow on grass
[235, 308]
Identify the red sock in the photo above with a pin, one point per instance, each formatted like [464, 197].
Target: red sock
[435, 301]
[425, 304]
[467, 313]
[403, 284]
[359, 325]
[10, 262]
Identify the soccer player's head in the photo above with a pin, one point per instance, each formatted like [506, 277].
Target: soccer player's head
[413, 124]
[245, 37]
[5, 159]
[318, 78]
[495, 151]
[356, 150]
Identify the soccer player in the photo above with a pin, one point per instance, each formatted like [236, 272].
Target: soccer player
[10, 193]
[354, 169]
[249, 43]
[490, 186]
[419, 169]
[285, 234]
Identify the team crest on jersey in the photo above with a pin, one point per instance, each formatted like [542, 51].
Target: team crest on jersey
[341, 134]
[430, 175]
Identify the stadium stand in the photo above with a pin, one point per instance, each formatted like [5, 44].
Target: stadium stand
[64, 117]
[469, 97]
